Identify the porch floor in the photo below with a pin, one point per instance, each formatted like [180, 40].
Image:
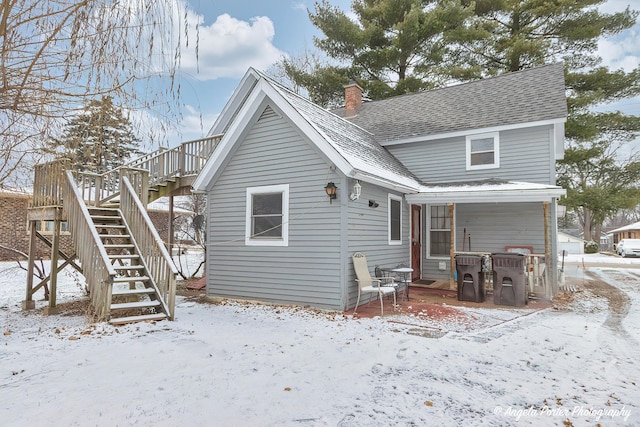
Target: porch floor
[436, 300]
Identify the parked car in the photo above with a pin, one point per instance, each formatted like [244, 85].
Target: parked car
[628, 247]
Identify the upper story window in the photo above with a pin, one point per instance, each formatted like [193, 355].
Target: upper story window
[267, 216]
[483, 151]
[395, 220]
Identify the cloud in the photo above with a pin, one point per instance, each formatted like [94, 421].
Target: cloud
[299, 6]
[228, 46]
[623, 51]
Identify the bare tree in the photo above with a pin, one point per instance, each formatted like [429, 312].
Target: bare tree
[192, 228]
[57, 54]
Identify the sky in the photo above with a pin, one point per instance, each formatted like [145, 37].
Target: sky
[233, 36]
[236, 35]
[243, 364]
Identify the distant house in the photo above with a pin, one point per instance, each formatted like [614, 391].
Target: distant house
[630, 231]
[14, 232]
[419, 177]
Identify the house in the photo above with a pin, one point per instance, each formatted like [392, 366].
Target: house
[417, 179]
[630, 231]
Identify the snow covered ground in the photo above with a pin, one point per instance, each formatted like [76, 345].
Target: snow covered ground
[240, 364]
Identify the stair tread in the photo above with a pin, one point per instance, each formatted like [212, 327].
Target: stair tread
[137, 304]
[119, 226]
[127, 256]
[130, 279]
[119, 245]
[133, 291]
[128, 267]
[132, 319]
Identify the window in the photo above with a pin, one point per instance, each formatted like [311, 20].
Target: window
[439, 231]
[267, 216]
[483, 151]
[46, 227]
[395, 220]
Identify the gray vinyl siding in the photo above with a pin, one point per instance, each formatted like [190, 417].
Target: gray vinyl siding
[307, 271]
[369, 234]
[491, 227]
[525, 155]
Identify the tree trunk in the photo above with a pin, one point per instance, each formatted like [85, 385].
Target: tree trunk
[586, 226]
[597, 232]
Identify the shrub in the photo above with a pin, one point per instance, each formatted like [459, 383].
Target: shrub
[591, 247]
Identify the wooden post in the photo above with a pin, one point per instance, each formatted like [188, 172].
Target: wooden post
[547, 252]
[170, 229]
[182, 159]
[29, 303]
[452, 249]
[52, 309]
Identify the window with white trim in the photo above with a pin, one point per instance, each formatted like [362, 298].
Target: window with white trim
[267, 216]
[395, 220]
[483, 151]
[439, 231]
[47, 227]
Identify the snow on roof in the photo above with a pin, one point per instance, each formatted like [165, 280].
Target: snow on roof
[490, 190]
[15, 192]
[162, 205]
[634, 226]
[354, 144]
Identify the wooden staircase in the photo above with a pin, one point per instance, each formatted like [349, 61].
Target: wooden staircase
[134, 296]
[129, 272]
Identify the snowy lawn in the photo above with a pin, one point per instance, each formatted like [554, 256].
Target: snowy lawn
[238, 364]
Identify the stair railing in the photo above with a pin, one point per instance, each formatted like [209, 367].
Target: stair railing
[97, 189]
[159, 264]
[89, 248]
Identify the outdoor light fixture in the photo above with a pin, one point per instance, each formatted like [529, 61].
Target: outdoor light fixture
[331, 191]
[357, 189]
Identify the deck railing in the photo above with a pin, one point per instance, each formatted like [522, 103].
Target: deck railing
[153, 253]
[48, 182]
[92, 255]
[186, 159]
[96, 189]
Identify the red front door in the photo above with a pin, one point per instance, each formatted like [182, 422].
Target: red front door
[416, 246]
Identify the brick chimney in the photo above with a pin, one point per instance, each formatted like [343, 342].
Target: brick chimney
[352, 99]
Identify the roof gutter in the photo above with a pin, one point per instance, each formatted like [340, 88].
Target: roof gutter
[487, 196]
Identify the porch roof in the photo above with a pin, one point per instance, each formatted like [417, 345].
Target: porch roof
[486, 191]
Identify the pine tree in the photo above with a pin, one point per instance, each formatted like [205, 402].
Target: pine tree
[396, 47]
[99, 139]
[511, 35]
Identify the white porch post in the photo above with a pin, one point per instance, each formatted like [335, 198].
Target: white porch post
[452, 249]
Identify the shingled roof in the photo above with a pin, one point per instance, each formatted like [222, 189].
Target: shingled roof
[353, 143]
[531, 95]
[353, 150]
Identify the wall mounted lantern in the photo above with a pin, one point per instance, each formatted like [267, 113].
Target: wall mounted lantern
[357, 189]
[331, 190]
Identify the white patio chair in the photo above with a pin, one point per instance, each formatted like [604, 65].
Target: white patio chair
[366, 282]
